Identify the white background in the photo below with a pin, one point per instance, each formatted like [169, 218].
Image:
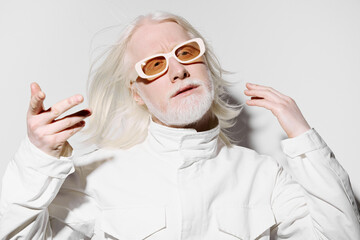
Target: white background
[306, 49]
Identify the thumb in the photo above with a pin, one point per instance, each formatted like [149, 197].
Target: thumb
[37, 99]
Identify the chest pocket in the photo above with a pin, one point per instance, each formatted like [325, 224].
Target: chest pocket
[247, 223]
[132, 223]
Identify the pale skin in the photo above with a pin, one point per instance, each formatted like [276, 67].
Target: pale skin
[162, 38]
[51, 135]
[48, 133]
[283, 107]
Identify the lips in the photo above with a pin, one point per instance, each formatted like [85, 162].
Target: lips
[185, 89]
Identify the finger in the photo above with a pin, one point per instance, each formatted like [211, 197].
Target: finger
[261, 103]
[67, 122]
[260, 93]
[59, 108]
[63, 136]
[252, 86]
[35, 88]
[36, 100]
[256, 86]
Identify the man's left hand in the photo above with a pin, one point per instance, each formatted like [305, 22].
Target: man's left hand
[283, 107]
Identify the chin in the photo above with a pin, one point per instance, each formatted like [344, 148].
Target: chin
[186, 112]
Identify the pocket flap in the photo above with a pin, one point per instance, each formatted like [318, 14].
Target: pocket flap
[133, 222]
[245, 222]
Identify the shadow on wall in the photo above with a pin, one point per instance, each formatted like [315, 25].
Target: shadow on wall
[241, 133]
[357, 200]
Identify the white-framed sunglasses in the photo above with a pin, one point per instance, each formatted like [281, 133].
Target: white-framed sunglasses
[156, 65]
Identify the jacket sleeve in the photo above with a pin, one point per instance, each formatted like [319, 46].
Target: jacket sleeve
[30, 183]
[319, 191]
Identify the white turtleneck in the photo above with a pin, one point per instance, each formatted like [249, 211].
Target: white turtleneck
[179, 184]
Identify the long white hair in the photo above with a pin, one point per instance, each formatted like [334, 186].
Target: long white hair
[117, 120]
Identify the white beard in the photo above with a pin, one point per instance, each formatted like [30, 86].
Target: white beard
[186, 110]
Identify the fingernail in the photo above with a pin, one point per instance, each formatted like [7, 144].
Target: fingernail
[79, 98]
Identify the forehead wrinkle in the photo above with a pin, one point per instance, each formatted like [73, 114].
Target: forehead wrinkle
[163, 45]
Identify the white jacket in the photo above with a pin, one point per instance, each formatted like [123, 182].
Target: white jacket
[179, 184]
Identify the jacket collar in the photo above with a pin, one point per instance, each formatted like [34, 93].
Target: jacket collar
[183, 143]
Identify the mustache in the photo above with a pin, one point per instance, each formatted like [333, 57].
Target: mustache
[185, 84]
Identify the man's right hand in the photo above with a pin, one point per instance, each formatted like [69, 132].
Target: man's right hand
[45, 131]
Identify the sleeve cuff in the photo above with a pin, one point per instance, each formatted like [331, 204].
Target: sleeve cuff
[32, 157]
[307, 142]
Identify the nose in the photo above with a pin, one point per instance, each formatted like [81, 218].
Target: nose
[177, 70]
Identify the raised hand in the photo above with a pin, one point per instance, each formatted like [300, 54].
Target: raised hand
[48, 133]
[283, 107]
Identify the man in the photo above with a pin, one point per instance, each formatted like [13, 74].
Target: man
[165, 168]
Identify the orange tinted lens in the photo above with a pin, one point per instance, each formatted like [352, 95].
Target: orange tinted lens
[154, 66]
[188, 52]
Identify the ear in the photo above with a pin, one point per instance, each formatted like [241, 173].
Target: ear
[135, 94]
